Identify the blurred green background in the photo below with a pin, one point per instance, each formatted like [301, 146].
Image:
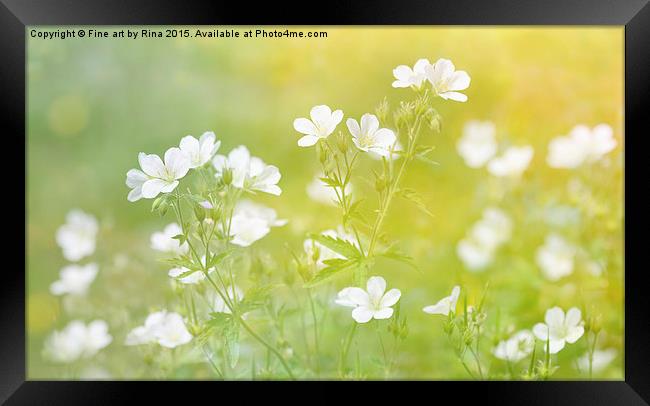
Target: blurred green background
[93, 104]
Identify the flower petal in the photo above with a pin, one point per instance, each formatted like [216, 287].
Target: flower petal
[574, 334]
[362, 314]
[554, 317]
[321, 114]
[307, 141]
[304, 126]
[383, 313]
[376, 287]
[353, 127]
[369, 124]
[455, 96]
[573, 316]
[460, 80]
[153, 187]
[541, 331]
[390, 298]
[151, 164]
[358, 296]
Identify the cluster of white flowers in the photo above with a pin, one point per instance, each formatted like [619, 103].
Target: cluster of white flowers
[77, 340]
[478, 147]
[445, 80]
[77, 236]
[74, 279]
[158, 176]
[77, 240]
[165, 328]
[248, 172]
[582, 145]
[478, 247]
[372, 303]
[556, 257]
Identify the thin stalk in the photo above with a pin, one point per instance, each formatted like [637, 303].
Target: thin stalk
[316, 347]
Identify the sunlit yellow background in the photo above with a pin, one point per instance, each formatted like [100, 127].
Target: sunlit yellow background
[93, 104]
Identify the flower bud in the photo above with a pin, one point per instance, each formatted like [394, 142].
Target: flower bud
[226, 176]
[380, 184]
[199, 212]
[382, 110]
[321, 151]
[341, 143]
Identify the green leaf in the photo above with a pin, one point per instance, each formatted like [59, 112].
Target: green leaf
[413, 196]
[255, 297]
[334, 267]
[217, 259]
[401, 257]
[182, 261]
[180, 237]
[338, 245]
[231, 336]
[330, 182]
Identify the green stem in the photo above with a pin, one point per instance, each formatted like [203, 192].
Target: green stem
[316, 347]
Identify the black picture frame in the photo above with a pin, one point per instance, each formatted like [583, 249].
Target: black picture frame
[15, 15]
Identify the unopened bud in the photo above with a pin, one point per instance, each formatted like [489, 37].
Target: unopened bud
[227, 176]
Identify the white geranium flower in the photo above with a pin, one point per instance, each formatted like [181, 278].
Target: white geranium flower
[77, 341]
[475, 256]
[478, 143]
[369, 137]
[556, 257]
[74, 279]
[407, 77]
[157, 177]
[165, 328]
[494, 228]
[516, 348]
[163, 240]
[248, 172]
[395, 152]
[200, 151]
[582, 145]
[373, 303]
[446, 80]
[446, 304]
[477, 249]
[234, 295]
[251, 222]
[323, 123]
[601, 359]
[320, 192]
[559, 329]
[513, 162]
[77, 236]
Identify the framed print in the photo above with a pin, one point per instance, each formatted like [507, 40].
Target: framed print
[430, 195]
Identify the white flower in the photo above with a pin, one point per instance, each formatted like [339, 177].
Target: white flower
[395, 151]
[322, 124]
[446, 304]
[200, 151]
[77, 236]
[74, 279]
[475, 256]
[477, 249]
[166, 329]
[494, 228]
[478, 144]
[77, 341]
[234, 295]
[248, 172]
[556, 257]
[157, 177]
[320, 192]
[446, 80]
[407, 77]
[513, 162]
[580, 146]
[559, 329]
[369, 137]
[373, 303]
[601, 359]
[317, 253]
[163, 240]
[516, 348]
[191, 279]
[251, 222]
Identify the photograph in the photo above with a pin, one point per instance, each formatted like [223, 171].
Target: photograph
[325, 203]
